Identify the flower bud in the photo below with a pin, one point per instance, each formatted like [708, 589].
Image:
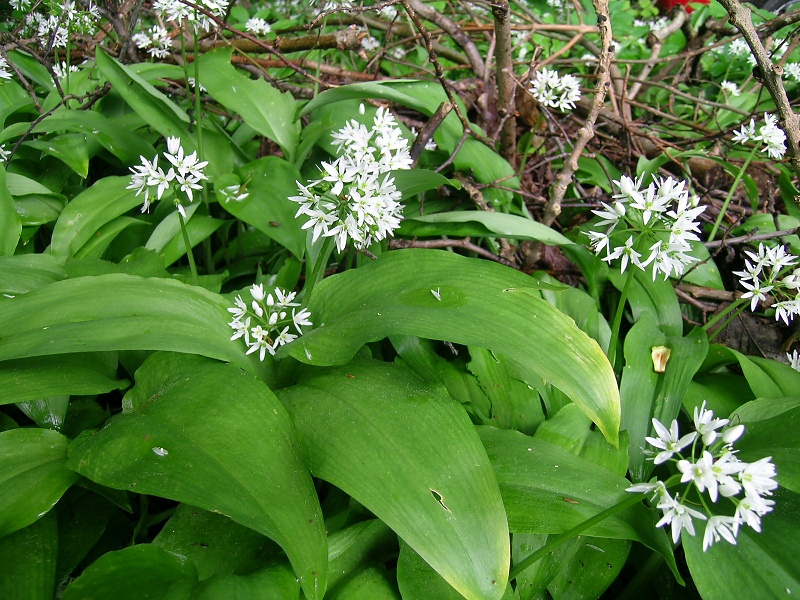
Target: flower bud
[660, 356]
[732, 434]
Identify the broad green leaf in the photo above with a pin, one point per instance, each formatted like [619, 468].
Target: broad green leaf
[24, 273]
[394, 295]
[410, 455]
[410, 182]
[760, 565]
[212, 436]
[120, 142]
[119, 312]
[547, 489]
[768, 378]
[96, 247]
[776, 437]
[656, 298]
[33, 475]
[263, 107]
[29, 558]
[214, 543]
[155, 108]
[198, 229]
[591, 569]
[47, 413]
[370, 584]
[142, 571]
[482, 224]
[89, 212]
[705, 272]
[10, 222]
[581, 307]
[531, 584]
[70, 148]
[276, 581]
[269, 182]
[44, 376]
[646, 394]
[357, 547]
[722, 392]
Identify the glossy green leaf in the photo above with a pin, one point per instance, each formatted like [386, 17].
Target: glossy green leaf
[357, 547]
[418, 581]
[410, 455]
[33, 475]
[646, 394]
[70, 148]
[274, 582]
[394, 295]
[214, 543]
[198, 229]
[270, 181]
[10, 222]
[370, 584]
[263, 107]
[155, 108]
[119, 312]
[760, 565]
[655, 298]
[411, 182]
[482, 224]
[142, 571]
[24, 273]
[547, 490]
[89, 211]
[28, 559]
[210, 435]
[591, 569]
[44, 376]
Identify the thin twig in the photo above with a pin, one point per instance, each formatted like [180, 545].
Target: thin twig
[464, 244]
[750, 237]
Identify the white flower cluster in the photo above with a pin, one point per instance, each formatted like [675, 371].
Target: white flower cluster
[257, 26]
[794, 360]
[356, 198]
[716, 471]
[5, 73]
[62, 69]
[178, 12]
[370, 43]
[265, 324]
[551, 89]
[20, 4]
[730, 87]
[661, 218]
[156, 41]
[791, 71]
[4, 154]
[185, 174]
[768, 273]
[772, 136]
[652, 24]
[65, 17]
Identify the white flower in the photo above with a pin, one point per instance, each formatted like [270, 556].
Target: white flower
[4, 154]
[794, 357]
[720, 527]
[758, 478]
[627, 253]
[706, 424]
[5, 73]
[668, 441]
[766, 274]
[792, 71]
[770, 135]
[370, 43]
[657, 488]
[556, 91]
[730, 88]
[258, 26]
[679, 516]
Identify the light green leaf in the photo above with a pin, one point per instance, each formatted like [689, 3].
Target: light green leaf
[24, 273]
[29, 557]
[760, 565]
[394, 295]
[33, 475]
[88, 212]
[155, 108]
[213, 436]
[547, 490]
[777, 437]
[410, 455]
[44, 376]
[119, 312]
[481, 224]
[410, 182]
[10, 222]
[70, 148]
[263, 107]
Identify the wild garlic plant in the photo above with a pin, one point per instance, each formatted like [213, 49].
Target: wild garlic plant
[655, 226]
[769, 139]
[556, 91]
[266, 324]
[356, 198]
[712, 473]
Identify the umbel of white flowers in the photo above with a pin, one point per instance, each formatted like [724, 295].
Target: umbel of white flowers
[770, 138]
[356, 198]
[266, 324]
[551, 89]
[659, 218]
[185, 174]
[771, 271]
[711, 468]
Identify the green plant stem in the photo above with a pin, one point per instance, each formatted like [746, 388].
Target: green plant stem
[738, 306]
[725, 204]
[198, 117]
[562, 538]
[623, 299]
[318, 266]
[188, 245]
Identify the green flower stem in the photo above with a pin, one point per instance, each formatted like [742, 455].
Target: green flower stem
[735, 185]
[198, 112]
[737, 306]
[623, 299]
[188, 245]
[317, 270]
[563, 538]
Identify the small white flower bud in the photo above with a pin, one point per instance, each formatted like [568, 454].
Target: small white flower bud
[732, 434]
